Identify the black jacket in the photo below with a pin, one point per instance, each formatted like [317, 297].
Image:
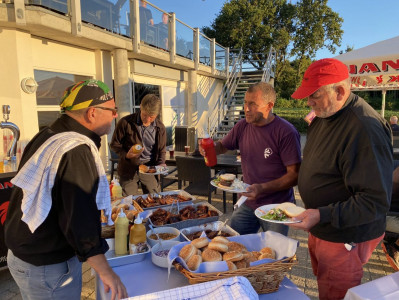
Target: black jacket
[126, 135]
[72, 226]
[346, 173]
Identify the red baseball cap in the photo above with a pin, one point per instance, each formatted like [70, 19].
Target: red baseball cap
[319, 73]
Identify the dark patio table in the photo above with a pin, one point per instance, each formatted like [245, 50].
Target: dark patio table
[227, 162]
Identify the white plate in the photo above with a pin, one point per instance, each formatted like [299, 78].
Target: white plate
[159, 170]
[229, 189]
[263, 210]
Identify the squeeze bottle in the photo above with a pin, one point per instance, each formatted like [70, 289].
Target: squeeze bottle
[138, 233]
[121, 234]
[210, 153]
[116, 189]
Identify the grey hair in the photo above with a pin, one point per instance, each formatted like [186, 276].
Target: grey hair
[346, 83]
[268, 92]
[151, 104]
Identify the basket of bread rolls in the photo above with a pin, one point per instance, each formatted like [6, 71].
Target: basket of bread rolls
[205, 259]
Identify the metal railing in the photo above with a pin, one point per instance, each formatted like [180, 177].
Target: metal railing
[269, 68]
[219, 110]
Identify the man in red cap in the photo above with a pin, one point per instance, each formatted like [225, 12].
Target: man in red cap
[345, 179]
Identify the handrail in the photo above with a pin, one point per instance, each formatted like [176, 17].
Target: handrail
[268, 69]
[219, 110]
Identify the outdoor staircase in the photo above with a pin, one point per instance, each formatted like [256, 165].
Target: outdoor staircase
[235, 107]
[229, 108]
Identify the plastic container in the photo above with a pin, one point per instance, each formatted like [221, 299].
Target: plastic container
[137, 234]
[121, 234]
[116, 189]
[210, 153]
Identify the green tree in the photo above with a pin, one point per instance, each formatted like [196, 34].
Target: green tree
[317, 26]
[296, 31]
[254, 26]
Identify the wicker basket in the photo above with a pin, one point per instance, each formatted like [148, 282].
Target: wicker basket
[265, 278]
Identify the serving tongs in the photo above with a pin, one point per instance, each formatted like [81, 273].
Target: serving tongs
[158, 237]
[224, 224]
[174, 209]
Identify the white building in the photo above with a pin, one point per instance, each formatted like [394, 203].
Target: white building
[57, 42]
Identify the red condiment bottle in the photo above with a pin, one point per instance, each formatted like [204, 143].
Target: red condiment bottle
[210, 154]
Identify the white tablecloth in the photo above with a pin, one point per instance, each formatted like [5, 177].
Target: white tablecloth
[145, 277]
[386, 288]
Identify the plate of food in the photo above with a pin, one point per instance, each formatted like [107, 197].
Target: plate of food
[153, 170]
[279, 213]
[230, 183]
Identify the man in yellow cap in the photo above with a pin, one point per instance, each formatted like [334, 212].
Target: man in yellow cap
[53, 219]
[345, 179]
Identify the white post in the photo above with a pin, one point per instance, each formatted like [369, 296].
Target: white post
[384, 91]
[213, 55]
[196, 47]
[19, 9]
[76, 17]
[172, 38]
[135, 25]
[227, 62]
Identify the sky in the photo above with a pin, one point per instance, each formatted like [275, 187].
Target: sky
[365, 21]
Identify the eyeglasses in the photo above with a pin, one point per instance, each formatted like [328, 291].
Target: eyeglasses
[114, 110]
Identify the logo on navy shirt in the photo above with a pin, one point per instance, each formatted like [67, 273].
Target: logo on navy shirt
[268, 152]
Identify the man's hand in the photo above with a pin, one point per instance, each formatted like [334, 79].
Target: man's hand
[131, 154]
[253, 191]
[309, 218]
[112, 282]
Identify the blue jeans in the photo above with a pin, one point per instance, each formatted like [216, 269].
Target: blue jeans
[56, 281]
[244, 221]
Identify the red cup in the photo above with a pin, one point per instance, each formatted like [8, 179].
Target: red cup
[172, 153]
[187, 149]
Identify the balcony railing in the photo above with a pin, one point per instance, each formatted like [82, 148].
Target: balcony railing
[154, 26]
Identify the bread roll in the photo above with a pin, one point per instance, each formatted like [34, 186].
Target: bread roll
[220, 239]
[234, 246]
[267, 252]
[256, 254]
[143, 168]
[211, 255]
[200, 242]
[231, 266]
[284, 205]
[293, 211]
[194, 262]
[241, 264]
[187, 251]
[218, 246]
[233, 256]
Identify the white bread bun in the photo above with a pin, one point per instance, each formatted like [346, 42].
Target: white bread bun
[187, 251]
[233, 256]
[194, 262]
[231, 266]
[293, 211]
[267, 252]
[218, 246]
[211, 255]
[284, 205]
[234, 246]
[143, 168]
[200, 242]
[226, 187]
[228, 177]
[220, 239]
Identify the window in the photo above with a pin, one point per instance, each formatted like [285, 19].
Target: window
[49, 93]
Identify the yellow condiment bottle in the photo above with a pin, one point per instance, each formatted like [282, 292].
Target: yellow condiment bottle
[116, 189]
[137, 234]
[121, 234]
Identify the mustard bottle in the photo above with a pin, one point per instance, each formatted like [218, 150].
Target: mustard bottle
[137, 234]
[116, 189]
[121, 234]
